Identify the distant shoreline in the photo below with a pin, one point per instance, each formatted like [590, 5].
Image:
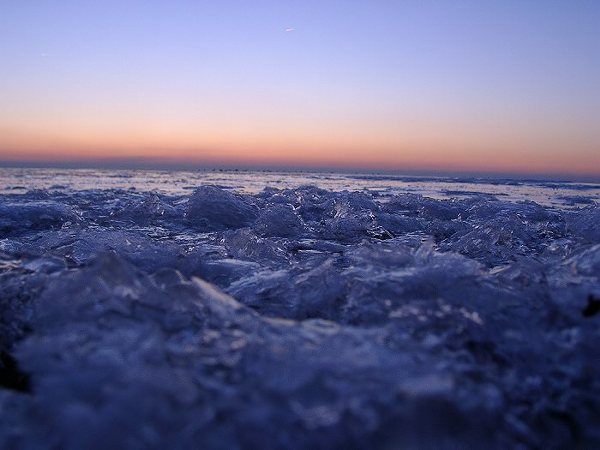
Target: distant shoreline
[408, 173]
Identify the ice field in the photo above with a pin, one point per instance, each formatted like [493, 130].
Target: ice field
[247, 309]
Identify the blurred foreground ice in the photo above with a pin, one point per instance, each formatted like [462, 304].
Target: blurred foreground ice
[297, 318]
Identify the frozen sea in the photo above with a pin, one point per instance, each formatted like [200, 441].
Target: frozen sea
[263, 309]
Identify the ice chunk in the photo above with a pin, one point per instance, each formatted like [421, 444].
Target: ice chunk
[279, 220]
[223, 272]
[136, 247]
[316, 292]
[245, 244]
[146, 209]
[586, 262]
[16, 218]
[212, 208]
[584, 223]
[499, 239]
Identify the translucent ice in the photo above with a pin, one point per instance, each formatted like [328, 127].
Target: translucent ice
[212, 208]
[16, 218]
[297, 318]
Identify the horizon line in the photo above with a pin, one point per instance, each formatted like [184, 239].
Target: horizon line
[162, 165]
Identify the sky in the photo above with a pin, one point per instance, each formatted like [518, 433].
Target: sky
[501, 86]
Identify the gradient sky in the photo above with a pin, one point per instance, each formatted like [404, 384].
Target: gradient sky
[500, 86]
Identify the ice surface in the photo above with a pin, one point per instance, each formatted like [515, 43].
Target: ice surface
[16, 218]
[210, 207]
[301, 317]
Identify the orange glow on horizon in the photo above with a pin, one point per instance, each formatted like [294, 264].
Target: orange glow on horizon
[354, 143]
[419, 152]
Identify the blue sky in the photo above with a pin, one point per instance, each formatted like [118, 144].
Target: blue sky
[480, 85]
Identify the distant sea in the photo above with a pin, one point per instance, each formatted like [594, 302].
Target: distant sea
[558, 194]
